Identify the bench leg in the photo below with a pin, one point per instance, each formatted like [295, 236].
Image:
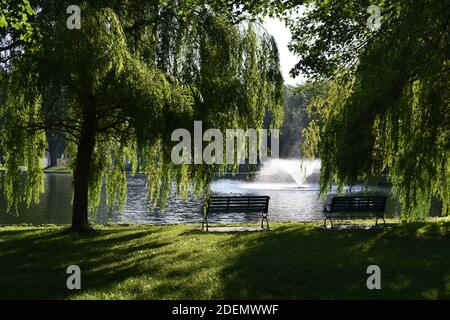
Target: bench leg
[376, 221]
[205, 223]
[328, 217]
[264, 218]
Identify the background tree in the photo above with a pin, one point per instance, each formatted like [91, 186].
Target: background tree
[295, 119]
[302, 118]
[132, 74]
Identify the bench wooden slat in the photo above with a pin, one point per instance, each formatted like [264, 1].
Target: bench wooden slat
[245, 208]
[238, 205]
[237, 197]
[239, 201]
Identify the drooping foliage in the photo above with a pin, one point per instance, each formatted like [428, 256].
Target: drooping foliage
[16, 28]
[133, 73]
[315, 96]
[15, 15]
[387, 109]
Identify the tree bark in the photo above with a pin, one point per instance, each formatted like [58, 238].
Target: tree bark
[53, 156]
[82, 171]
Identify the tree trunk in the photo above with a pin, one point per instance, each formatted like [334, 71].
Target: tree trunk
[82, 172]
[52, 148]
[53, 156]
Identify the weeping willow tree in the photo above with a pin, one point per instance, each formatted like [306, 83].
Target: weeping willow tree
[132, 74]
[386, 108]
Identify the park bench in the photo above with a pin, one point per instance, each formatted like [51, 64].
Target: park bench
[355, 204]
[237, 204]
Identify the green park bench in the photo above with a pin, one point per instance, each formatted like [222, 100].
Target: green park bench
[237, 204]
[355, 204]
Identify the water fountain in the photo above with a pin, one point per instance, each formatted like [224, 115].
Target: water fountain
[275, 174]
[291, 171]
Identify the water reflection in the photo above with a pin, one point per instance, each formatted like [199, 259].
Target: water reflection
[55, 205]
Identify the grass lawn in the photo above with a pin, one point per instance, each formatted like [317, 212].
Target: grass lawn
[293, 261]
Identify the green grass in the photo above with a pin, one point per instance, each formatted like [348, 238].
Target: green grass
[293, 261]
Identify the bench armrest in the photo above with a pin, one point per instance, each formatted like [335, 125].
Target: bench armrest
[327, 207]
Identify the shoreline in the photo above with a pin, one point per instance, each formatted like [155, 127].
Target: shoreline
[390, 222]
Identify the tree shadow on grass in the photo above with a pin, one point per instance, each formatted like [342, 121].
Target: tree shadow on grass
[130, 263]
[33, 263]
[309, 263]
[290, 262]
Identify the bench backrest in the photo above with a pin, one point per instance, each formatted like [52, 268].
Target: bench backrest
[238, 204]
[358, 204]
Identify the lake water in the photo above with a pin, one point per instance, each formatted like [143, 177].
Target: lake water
[288, 201]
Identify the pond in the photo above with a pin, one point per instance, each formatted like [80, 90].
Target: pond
[291, 199]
